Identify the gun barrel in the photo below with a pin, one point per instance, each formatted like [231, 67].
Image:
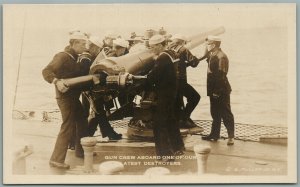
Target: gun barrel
[140, 63]
[199, 39]
[82, 80]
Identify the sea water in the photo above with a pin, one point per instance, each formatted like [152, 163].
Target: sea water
[257, 74]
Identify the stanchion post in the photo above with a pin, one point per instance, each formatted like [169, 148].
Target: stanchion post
[88, 145]
[202, 153]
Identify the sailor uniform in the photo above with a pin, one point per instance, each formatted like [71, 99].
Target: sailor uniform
[219, 89]
[185, 89]
[64, 65]
[98, 114]
[165, 127]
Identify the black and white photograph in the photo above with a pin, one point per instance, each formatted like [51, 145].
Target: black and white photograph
[160, 93]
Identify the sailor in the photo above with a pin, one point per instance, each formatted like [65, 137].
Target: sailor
[218, 89]
[162, 31]
[133, 40]
[186, 59]
[168, 141]
[109, 38]
[64, 65]
[98, 114]
[94, 46]
[132, 35]
[141, 43]
[119, 48]
[147, 35]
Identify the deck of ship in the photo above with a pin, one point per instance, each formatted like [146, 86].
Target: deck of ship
[243, 158]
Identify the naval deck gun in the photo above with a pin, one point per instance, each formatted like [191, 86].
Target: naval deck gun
[126, 75]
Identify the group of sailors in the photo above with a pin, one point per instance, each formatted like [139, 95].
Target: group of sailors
[168, 78]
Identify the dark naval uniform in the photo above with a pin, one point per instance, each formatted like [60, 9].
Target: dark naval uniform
[217, 83]
[185, 89]
[165, 127]
[64, 66]
[98, 116]
[123, 97]
[86, 60]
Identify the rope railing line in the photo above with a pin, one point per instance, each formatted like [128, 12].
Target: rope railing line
[246, 132]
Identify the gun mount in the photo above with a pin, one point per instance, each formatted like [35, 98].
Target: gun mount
[114, 76]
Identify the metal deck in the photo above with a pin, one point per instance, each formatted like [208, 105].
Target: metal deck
[244, 158]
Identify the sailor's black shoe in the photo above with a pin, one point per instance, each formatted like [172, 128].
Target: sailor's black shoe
[178, 153]
[210, 138]
[230, 141]
[187, 123]
[59, 165]
[191, 123]
[114, 136]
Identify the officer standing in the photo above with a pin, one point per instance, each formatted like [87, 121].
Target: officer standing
[218, 89]
[168, 141]
[186, 59]
[64, 65]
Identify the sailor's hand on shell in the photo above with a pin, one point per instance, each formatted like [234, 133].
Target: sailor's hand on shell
[61, 86]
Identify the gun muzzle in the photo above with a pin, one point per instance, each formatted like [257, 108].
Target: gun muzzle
[82, 80]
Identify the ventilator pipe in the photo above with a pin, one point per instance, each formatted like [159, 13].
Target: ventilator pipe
[88, 145]
[202, 153]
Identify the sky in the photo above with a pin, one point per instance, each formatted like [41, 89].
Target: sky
[147, 15]
[51, 23]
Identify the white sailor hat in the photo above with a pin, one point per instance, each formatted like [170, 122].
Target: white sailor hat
[110, 34]
[179, 37]
[213, 38]
[121, 42]
[156, 39]
[148, 34]
[77, 35]
[96, 40]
